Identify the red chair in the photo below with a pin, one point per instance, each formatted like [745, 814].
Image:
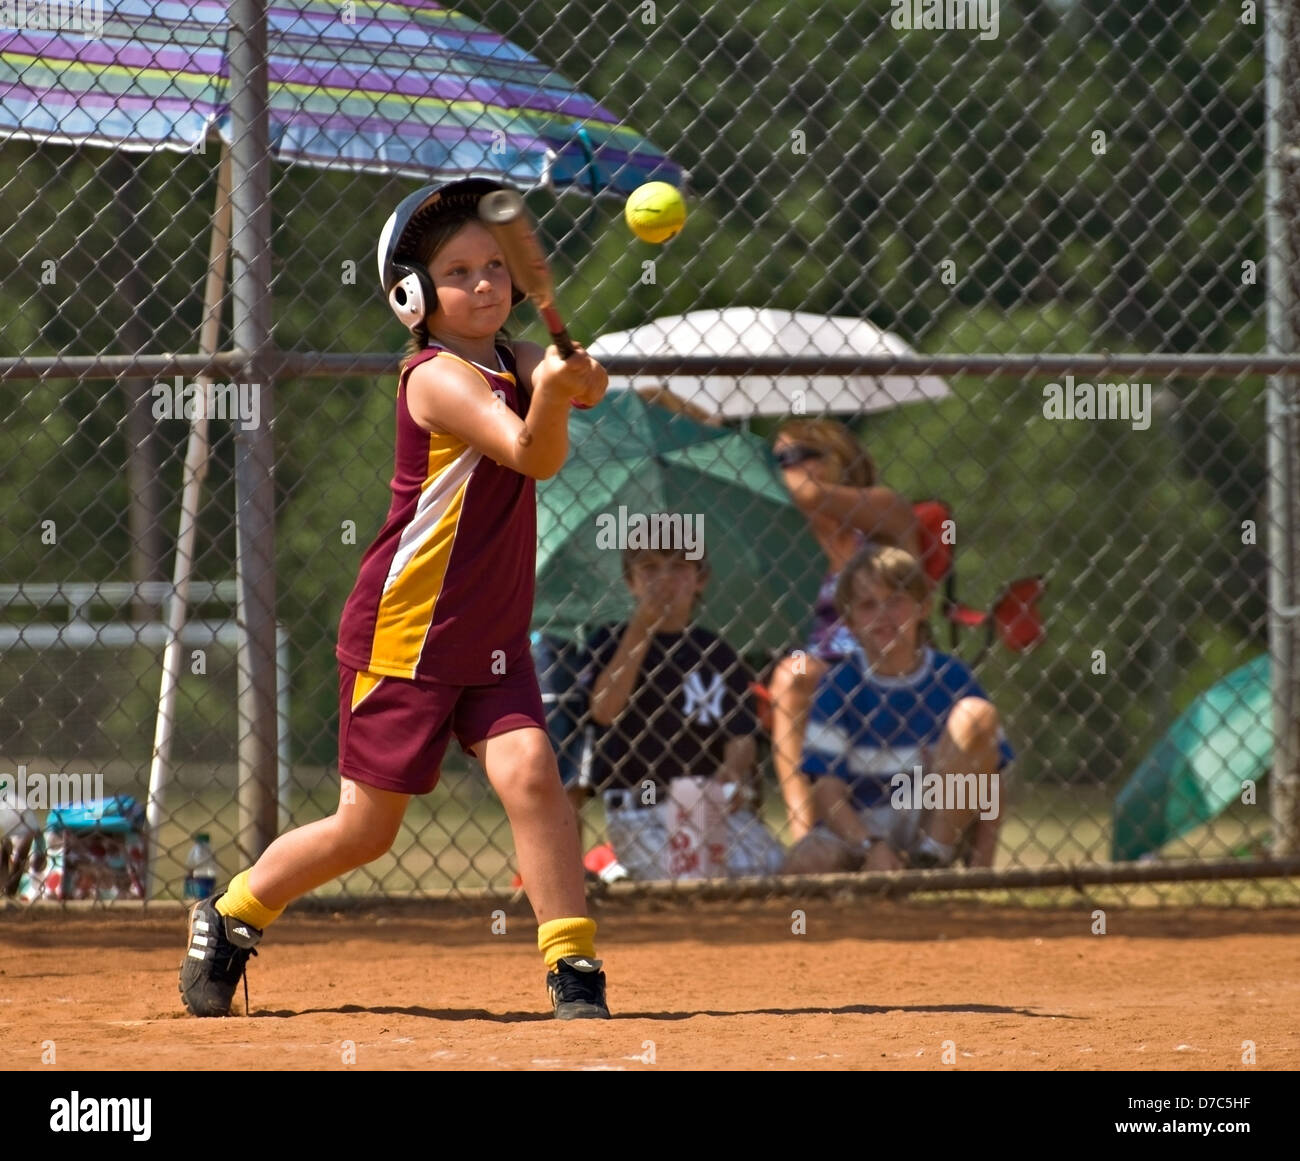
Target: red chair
[1014, 617]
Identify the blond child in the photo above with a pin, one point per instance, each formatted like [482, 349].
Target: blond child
[434, 639]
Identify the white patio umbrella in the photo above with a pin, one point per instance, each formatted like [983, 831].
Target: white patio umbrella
[747, 330]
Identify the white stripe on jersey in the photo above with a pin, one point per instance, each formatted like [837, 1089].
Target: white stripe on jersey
[431, 507]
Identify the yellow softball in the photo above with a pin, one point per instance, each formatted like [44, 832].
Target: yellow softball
[655, 212]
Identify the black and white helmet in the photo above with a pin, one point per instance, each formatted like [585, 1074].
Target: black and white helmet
[403, 278]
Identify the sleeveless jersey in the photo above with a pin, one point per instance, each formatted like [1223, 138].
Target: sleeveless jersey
[445, 592]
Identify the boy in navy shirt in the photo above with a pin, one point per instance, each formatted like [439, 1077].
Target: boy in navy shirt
[903, 746]
[670, 699]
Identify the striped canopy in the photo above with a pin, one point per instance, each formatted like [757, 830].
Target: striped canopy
[404, 87]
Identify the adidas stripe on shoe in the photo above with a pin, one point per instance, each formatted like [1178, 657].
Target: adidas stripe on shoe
[215, 959]
[577, 989]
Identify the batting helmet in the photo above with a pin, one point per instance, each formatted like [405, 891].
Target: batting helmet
[403, 279]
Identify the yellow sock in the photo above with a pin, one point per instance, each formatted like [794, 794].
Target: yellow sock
[557, 938]
[240, 903]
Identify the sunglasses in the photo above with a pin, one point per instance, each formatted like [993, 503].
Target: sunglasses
[788, 457]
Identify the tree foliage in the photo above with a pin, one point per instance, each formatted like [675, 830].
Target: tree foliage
[835, 166]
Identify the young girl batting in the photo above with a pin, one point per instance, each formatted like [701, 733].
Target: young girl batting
[434, 639]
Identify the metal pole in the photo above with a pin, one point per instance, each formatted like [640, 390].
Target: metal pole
[250, 290]
[1164, 669]
[327, 365]
[143, 458]
[1282, 624]
[285, 773]
[196, 468]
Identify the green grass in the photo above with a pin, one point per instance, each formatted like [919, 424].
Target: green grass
[457, 837]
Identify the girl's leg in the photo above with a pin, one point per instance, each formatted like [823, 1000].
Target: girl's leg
[521, 766]
[793, 683]
[224, 932]
[358, 832]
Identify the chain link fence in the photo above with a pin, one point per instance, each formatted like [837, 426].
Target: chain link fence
[992, 199]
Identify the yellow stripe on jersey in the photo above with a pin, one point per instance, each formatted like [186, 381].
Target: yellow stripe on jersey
[419, 567]
[475, 367]
[363, 685]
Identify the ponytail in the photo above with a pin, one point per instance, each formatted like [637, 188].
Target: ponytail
[416, 343]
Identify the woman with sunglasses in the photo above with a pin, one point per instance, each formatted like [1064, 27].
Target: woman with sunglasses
[832, 480]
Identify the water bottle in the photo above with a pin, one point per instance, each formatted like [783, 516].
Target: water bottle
[200, 870]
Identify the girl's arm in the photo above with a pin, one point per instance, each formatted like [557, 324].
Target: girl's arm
[445, 395]
[880, 513]
[528, 359]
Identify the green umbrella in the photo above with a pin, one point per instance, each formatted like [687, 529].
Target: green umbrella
[1198, 767]
[631, 459]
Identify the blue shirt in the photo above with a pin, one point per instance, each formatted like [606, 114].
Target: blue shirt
[865, 728]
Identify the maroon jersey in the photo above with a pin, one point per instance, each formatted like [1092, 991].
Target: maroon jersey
[446, 590]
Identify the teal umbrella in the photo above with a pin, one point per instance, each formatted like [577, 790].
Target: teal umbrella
[1198, 767]
[631, 459]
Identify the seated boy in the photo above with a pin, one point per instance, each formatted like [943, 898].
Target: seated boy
[668, 699]
[903, 746]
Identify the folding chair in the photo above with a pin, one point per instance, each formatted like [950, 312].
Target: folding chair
[1014, 617]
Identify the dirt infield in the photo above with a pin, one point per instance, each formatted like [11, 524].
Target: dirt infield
[869, 986]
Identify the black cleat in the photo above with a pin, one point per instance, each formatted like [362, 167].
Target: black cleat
[218, 950]
[577, 989]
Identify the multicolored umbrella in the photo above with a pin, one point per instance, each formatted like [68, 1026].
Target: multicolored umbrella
[405, 86]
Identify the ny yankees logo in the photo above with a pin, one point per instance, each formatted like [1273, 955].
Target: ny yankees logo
[707, 700]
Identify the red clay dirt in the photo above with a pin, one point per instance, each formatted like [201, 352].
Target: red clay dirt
[871, 985]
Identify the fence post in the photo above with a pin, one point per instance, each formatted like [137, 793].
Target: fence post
[1279, 201]
[254, 454]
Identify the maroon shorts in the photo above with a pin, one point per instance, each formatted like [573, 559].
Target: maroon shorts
[393, 732]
